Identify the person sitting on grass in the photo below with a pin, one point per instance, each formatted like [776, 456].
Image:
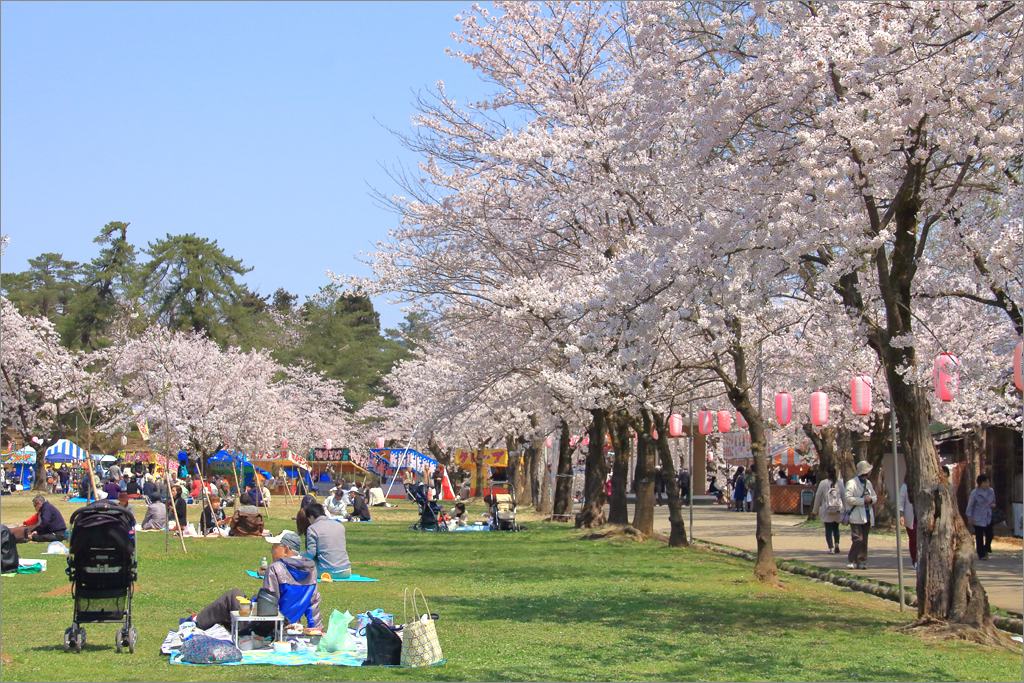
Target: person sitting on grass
[156, 516]
[290, 577]
[212, 520]
[360, 510]
[180, 509]
[301, 520]
[459, 516]
[45, 526]
[326, 545]
[335, 505]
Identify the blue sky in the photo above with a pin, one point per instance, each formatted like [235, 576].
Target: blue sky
[258, 124]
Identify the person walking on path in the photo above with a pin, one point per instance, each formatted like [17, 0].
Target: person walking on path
[859, 498]
[828, 507]
[739, 489]
[979, 513]
[908, 522]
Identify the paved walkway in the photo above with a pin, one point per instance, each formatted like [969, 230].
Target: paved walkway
[1001, 574]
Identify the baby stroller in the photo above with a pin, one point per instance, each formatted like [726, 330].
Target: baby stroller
[503, 512]
[429, 509]
[102, 570]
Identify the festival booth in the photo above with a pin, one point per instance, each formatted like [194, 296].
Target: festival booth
[236, 465]
[294, 466]
[23, 462]
[157, 460]
[786, 498]
[391, 464]
[331, 465]
[495, 459]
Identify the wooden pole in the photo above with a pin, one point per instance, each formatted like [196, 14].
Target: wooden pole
[238, 484]
[177, 522]
[259, 484]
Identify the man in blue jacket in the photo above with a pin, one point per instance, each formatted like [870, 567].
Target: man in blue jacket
[291, 577]
[51, 526]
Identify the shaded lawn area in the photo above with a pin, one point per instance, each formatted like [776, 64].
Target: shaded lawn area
[538, 605]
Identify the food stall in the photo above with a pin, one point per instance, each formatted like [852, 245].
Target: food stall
[494, 462]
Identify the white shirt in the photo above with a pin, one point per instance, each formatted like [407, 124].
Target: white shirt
[906, 507]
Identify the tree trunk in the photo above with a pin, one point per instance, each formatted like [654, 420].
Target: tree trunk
[479, 457]
[546, 505]
[948, 588]
[563, 481]
[845, 468]
[677, 536]
[531, 496]
[592, 513]
[620, 429]
[39, 468]
[825, 445]
[643, 508]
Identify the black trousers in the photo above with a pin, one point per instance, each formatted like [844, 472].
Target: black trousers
[832, 534]
[983, 539]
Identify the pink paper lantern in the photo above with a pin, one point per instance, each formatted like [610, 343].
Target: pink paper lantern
[1018, 379]
[573, 440]
[946, 376]
[548, 442]
[860, 394]
[783, 408]
[741, 421]
[380, 442]
[586, 441]
[284, 445]
[654, 434]
[724, 421]
[675, 425]
[819, 408]
[705, 422]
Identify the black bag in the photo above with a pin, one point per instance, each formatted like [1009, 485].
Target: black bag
[8, 550]
[383, 644]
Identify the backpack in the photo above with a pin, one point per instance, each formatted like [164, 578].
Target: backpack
[833, 500]
[8, 550]
[246, 524]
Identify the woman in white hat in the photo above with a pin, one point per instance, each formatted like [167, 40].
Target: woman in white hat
[860, 498]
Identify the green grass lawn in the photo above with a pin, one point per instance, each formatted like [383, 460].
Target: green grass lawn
[538, 605]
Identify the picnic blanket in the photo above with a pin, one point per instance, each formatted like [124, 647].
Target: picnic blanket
[472, 527]
[269, 657]
[354, 577]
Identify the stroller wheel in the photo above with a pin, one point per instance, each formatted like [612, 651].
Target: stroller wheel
[69, 638]
[118, 639]
[133, 637]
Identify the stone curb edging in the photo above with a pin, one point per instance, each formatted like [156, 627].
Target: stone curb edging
[881, 589]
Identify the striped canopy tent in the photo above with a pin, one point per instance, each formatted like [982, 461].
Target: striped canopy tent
[65, 450]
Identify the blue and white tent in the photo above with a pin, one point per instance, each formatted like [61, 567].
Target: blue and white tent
[65, 451]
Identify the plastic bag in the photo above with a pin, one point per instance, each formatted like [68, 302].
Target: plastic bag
[337, 636]
[200, 649]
